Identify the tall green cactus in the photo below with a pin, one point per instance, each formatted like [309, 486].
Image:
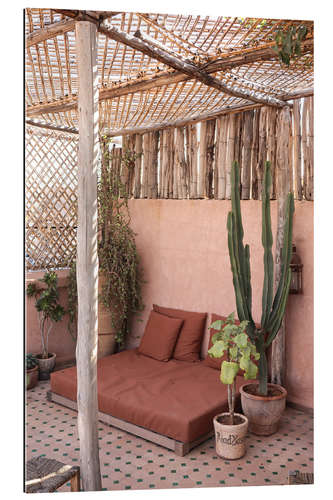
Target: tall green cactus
[272, 309]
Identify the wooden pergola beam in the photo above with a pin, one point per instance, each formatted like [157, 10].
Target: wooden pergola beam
[51, 107]
[199, 118]
[52, 127]
[95, 16]
[182, 122]
[167, 78]
[49, 31]
[143, 44]
[187, 121]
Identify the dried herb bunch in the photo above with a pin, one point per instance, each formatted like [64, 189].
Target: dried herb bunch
[118, 258]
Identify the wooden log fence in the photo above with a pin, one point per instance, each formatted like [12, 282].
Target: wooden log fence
[187, 162]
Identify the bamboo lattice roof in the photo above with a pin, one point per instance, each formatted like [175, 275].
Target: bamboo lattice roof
[138, 92]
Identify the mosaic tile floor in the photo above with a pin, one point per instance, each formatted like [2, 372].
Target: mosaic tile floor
[128, 462]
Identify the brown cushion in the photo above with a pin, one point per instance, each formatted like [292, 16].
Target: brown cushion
[160, 336]
[215, 362]
[190, 337]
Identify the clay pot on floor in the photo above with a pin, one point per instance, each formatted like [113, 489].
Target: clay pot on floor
[31, 378]
[46, 366]
[106, 336]
[263, 412]
[230, 439]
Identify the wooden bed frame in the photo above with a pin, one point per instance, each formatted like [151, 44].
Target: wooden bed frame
[178, 447]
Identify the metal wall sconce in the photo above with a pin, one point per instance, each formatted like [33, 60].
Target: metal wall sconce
[296, 272]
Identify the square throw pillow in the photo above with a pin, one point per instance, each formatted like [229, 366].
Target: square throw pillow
[160, 336]
[189, 341]
[215, 362]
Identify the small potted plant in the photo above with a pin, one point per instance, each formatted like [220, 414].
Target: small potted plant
[232, 342]
[49, 312]
[31, 371]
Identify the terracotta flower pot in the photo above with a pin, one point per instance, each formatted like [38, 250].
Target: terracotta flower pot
[31, 377]
[46, 366]
[106, 334]
[230, 439]
[263, 412]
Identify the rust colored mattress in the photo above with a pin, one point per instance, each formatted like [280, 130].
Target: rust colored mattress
[175, 398]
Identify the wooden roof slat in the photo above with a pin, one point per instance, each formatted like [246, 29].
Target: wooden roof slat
[173, 37]
[234, 52]
[232, 61]
[186, 67]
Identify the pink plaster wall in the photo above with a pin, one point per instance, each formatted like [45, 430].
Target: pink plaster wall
[60, 341]
[184, 252]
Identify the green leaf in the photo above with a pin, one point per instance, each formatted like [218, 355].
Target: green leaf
[243, 324]
[217, 350]
[230, 330]
[31, 289]
[241, 340]
[217, 336]
[229, 370]
[233, 352]
[246, 352]
[216, 325]
[231, 317]
[249, 367]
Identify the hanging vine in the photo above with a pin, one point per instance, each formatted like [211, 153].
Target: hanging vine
[119, 263]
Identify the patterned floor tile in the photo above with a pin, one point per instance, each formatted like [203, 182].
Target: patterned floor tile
[129, 462]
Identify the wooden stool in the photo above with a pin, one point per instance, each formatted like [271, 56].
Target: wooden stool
[295, 477]
[44, 475]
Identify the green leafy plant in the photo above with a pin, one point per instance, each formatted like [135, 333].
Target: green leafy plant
[288, 43]
[72, 300]
[30, 361]
[232, 340]
[47, 305]
[119, 263]
[273, 309]
[118, 258]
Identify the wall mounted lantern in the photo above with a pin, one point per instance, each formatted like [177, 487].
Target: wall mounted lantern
[296, 272]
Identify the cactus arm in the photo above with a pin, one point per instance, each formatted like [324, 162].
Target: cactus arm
[248, 290]
[238, 232]
[280, 313]
[239, 295]
[267, 242]
[235, 202]
[251, 327]
[286, 258]
[242, 254]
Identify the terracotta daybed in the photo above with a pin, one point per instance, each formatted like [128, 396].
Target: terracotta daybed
[169, 403]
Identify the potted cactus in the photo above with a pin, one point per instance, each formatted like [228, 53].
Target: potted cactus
[232, 342]
[263, 403]
[49, 312]
[31, 371]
